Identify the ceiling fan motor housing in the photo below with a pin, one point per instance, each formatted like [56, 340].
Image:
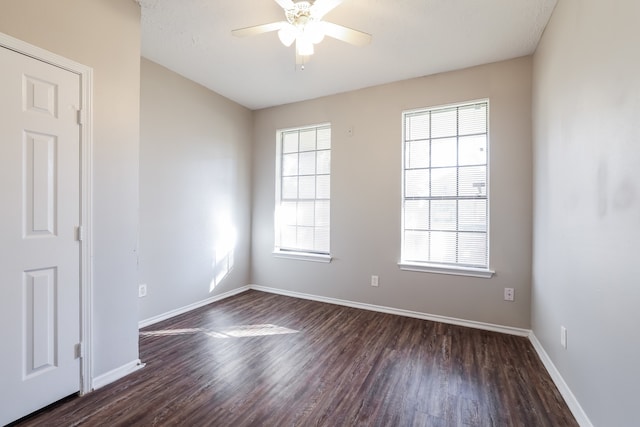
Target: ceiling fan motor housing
[300, 14]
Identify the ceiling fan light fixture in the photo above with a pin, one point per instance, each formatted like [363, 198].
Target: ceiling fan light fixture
[305, 27]
[288, 35]
[304, 47]
[315, 31]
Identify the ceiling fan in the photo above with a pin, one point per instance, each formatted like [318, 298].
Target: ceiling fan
[305, 27]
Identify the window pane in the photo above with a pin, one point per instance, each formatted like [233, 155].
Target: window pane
[444, 123]
[416, 215]
[442, 246]
[307, 140]
[472, 249]
[417, 127]
[306, 213]
[322, 214]
[472, 119]
[473, 150]
[288, 236]
[288, 213]
[321, 239]
[472, 215]
[443, 182]
[444, 152]
[290, 187]
[323, 186]
[416, 245]
[307, 188]
[473, 181]
[443, 215]
[323, 161]
[417, 154]
[324, 138]
[290, 142]
[290, 164]
[307, 164]
[305, 238]
[417, 183]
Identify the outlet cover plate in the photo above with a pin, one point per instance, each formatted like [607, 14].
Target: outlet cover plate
[509, 294]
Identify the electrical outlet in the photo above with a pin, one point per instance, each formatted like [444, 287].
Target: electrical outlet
[563, 337]
[142, 290]
[509, 294]
[374, 280]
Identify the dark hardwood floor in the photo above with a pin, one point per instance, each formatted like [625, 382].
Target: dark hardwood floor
[258, 359]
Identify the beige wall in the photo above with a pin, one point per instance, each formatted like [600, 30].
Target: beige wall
[587, 203]
[365, 193]
[195, 168]
[104, 35]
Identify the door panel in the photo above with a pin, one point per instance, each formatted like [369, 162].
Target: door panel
[40, 154]
[39, 296]
[39, 252]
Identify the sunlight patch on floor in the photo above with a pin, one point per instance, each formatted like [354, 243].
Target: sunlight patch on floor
[240, 331]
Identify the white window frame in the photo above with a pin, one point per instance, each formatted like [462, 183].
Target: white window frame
[294, 253]
[435, 267]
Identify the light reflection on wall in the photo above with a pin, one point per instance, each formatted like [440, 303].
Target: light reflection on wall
[223, 249]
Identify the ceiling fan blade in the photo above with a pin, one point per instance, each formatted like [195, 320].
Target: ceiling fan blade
[322, 7]
[354, 37]
[259, 29]
[286, 4]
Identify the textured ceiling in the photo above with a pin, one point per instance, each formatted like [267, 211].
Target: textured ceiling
[411, 38]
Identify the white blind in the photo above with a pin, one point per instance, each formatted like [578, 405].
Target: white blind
[445, 203]
[303, 189]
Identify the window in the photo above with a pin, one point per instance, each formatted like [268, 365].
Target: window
[303, 165]
[445, 203]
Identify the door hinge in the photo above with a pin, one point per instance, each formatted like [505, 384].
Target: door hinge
[80, 117]
[79, 233]
[79, 350]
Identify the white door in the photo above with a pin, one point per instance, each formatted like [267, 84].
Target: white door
[39, 249]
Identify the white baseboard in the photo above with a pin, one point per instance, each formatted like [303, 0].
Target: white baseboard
[187, 308]
[116, 374]
[400, 312]
[565, 391]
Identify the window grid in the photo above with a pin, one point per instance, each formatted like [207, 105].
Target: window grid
[304, 190]
[429, 252]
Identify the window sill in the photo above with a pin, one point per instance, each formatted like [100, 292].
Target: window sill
[303, 256]
[484, 273]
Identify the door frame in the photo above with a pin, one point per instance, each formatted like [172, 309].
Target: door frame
[86, 192]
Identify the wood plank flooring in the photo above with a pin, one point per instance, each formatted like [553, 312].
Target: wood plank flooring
[259, 359]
